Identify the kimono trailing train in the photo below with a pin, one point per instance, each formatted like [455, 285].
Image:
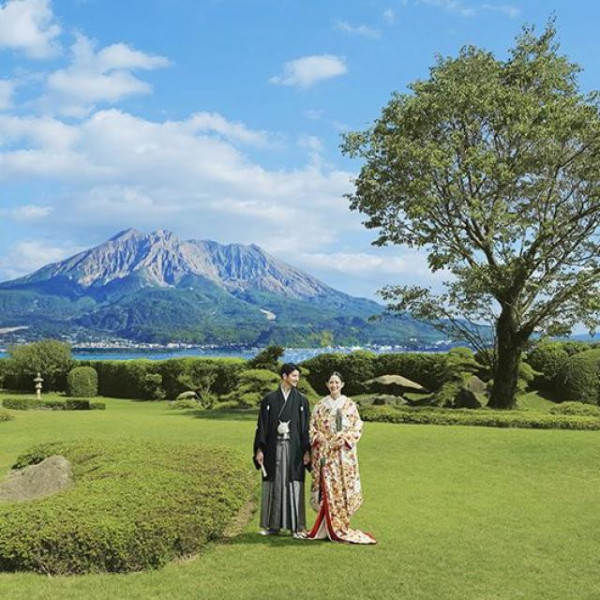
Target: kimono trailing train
[282, 434]
[335, 428]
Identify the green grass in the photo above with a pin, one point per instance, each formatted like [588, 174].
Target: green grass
[466, 513]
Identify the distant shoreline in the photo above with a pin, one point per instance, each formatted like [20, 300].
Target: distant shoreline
[290, 354]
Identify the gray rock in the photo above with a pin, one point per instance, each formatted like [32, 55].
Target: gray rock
[382, 399]
[191, 395]
[394, 384]
[472, 394]
[36, 481]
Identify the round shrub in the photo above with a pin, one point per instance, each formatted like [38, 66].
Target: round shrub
[82, 382]
[5, 416]
[134, 506]
[576, 408]
[547, 359]
[579, 377]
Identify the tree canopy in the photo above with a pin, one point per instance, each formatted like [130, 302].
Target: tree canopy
[493, 168]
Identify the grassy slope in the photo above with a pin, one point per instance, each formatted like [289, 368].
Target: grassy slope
[465, 513]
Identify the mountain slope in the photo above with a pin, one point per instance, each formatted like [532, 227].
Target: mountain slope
[155, 287]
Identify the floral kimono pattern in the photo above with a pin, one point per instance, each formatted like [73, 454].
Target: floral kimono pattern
[335, 429]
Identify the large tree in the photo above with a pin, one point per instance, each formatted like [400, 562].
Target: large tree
[51, 358]
[493, 168]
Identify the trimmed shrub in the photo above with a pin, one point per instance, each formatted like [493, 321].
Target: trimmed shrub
[134, 506]
[430, 370]
[482, 418]
[82, 382]
[354, 368]
[229, 405]
[24, 403]
[54, 404]
[28, 403]
[547, 359]
[526, 376]
[77, 404]
[576, 408]
[578, 378]
[253, 385]
[97, 406]
[267, 358]
[184, 404]
[5, 416]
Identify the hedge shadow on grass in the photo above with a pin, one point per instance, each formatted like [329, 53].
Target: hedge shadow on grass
[134, 506]
[218, 415]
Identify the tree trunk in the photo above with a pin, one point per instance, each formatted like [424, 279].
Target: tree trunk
[508, 356]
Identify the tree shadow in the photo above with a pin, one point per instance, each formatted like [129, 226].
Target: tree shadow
[276, 541]
[219, 415]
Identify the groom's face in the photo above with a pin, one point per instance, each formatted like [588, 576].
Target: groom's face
[293, 378]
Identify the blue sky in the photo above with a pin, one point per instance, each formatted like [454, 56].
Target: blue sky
[221, 119]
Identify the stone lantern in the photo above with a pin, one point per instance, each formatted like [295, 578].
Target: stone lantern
[38, 385]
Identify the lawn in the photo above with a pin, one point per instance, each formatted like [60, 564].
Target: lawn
[459, 512]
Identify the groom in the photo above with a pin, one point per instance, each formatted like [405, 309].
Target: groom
[282, 452]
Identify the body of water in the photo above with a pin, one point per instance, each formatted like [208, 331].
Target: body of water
[290, 355]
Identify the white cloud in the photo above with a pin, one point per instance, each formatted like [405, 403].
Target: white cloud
[512, 11]
[115, 169]
[314, 114]
[361, 30]
[28, 212]
[360, 263]
[7, 89]
[389, 16]
[29, 26]
[96, 77]
[231, 130]
[454, 6]
[29, 255]
[460, 8]
[310, 70]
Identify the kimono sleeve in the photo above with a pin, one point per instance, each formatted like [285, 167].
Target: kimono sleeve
[262, 430]
[353, 426]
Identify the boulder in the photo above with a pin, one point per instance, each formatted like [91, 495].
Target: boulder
[191, 395]
[394, 384]
[383, 399]
[472, 394]
[49, 477]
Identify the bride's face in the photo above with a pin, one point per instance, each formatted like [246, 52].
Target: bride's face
[334, 385]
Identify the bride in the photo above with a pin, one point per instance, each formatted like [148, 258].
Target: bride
[335, 428]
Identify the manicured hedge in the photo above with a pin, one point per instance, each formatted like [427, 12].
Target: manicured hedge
[22, 403]
[576, 408]
[483, 418]
[82, 382]
[139, 378]
[133, 506]
[5, 416]
[25, 403]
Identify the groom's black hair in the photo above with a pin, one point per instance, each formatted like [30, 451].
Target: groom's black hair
[288, 368]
